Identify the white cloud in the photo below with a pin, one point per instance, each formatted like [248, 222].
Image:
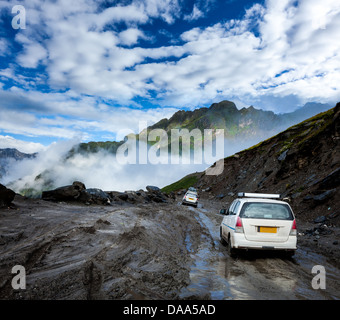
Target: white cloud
[195, 14]
[68, 115]
[278, 49]
[23, 146]
[130, 36]
[4, 47]
[288, 55]
[33, 52]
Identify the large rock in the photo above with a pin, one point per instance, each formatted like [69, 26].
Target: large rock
[6, 196]
[66, 193]
[96, 196]
[155, 194]
[153, 189]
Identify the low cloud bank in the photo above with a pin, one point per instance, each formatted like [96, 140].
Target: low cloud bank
[54, 167]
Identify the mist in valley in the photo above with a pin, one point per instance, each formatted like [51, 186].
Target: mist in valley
[54, 167]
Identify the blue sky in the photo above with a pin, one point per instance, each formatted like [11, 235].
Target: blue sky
[86, 69]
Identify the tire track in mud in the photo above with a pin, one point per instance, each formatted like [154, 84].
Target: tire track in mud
[254, 274]
[158, 263]
[205, 280]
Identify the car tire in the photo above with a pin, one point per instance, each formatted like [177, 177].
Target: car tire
[223, 242]
[231, 250]
[289, 254]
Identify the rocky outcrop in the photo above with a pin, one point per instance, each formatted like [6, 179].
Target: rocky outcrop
[6, 196]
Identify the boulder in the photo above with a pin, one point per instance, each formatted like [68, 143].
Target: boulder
[6, 196]
[97, 196]
[123, 196]
[153, 189]
[320, 219]
[155, 194]
[66, 193]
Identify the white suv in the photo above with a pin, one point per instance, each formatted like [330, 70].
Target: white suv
[257, 221]
[191, 198]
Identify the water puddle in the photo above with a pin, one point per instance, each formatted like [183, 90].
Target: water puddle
[206, 281]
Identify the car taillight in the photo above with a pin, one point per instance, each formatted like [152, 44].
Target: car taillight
[293, 230]
[239, 226]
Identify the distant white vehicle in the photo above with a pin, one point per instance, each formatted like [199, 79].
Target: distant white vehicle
[190, 198]
[192, 189]
[258, 221]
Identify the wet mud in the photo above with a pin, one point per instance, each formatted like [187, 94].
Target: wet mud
[163, 251]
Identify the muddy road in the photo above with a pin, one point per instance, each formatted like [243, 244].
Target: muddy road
[149, 251]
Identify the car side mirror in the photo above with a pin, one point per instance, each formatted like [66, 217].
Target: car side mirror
[223, 211]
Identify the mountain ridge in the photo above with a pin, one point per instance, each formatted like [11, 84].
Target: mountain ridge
[8, 155]
[236, 123]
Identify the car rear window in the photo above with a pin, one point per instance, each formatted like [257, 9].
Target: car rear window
[265, 210]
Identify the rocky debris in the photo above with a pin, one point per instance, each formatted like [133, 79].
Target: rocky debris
[77, 192]
[321, 229]
[6, 196]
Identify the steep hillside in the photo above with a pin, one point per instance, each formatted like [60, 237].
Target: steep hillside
[302, 163]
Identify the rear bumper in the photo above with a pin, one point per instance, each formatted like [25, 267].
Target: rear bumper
[240, 242]
[193, 203]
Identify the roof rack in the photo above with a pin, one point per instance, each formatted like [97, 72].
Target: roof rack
[258, 195]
